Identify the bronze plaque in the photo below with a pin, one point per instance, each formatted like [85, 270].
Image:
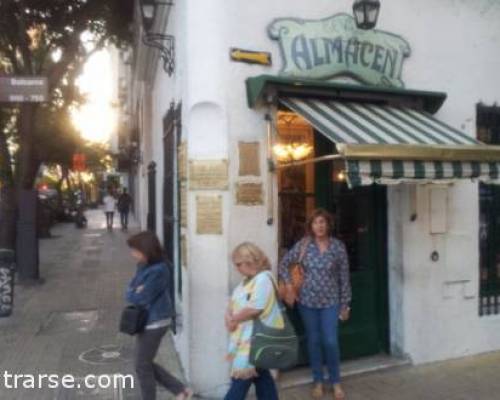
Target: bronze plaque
[209, 215]
[182, 161]
[183, 209]
[208, 175]
[184, 251]
[249, 159]
[249, 194]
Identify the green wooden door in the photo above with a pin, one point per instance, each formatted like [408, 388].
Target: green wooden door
[360, 221]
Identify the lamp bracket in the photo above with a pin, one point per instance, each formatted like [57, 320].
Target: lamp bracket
[166, 45]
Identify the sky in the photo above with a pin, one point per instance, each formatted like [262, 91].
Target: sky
[96, 119]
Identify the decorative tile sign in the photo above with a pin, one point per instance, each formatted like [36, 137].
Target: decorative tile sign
[209, 215]
[334, 46]
[182, 161]
[249, 194]
[208, 175]
[249, 159]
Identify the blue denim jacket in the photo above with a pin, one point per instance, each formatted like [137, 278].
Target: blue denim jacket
[155, 295]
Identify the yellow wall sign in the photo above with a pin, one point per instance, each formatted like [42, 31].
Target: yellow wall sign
[251, 57]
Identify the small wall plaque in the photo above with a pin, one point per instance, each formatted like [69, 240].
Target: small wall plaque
[182, 161]
[249, 194]
[183, 201]
[184, 253]
[208, 175]
[209, 215]
[249, 159]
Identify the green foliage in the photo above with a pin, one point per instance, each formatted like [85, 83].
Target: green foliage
[45, 37]
[30, 30]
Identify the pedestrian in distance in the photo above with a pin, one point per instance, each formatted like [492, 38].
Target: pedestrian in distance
[109, 209]
[150, 288]
[253, 298]
[124, 205]
[323, 296]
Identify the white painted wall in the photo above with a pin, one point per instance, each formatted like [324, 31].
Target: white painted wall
[433, 304]
[438, 302]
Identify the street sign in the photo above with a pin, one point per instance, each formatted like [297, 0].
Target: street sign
[23, 89]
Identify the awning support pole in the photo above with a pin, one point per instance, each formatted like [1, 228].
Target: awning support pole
[330, 157]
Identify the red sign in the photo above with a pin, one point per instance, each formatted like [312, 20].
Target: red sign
[79, 162]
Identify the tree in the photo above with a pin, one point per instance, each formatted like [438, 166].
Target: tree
[44, 37]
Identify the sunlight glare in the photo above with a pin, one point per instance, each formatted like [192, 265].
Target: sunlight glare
[96, 118]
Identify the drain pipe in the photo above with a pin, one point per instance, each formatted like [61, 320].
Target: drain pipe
[271, 168]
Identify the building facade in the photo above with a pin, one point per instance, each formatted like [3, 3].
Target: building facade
[202, 124]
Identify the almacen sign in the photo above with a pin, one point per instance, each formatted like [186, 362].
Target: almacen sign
[331, 47]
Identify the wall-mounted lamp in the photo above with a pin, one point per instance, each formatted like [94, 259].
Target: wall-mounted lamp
[164, 43]
[366, 13]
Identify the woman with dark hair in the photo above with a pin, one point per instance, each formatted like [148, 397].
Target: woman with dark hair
[150, 288]
[323, 297]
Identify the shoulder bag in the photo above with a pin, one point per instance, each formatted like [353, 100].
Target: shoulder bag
[133, 319]
[274, 348]
[289, 292]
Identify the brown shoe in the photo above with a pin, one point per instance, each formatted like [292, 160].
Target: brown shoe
[338, 393]
[317, 391]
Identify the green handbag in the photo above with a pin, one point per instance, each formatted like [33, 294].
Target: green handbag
[273, 348]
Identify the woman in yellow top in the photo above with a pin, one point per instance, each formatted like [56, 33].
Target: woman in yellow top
[254, 297]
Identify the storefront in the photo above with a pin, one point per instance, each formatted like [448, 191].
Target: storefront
[321, 114]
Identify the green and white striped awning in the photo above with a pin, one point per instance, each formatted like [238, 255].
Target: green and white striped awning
[387, 144]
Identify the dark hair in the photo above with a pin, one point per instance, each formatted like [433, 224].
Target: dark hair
[148, 244]
[319, 212]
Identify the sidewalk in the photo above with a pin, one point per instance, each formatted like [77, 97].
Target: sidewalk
[472, 378]
[69, 323]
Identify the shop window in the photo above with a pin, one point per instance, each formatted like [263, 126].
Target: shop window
[488, 131]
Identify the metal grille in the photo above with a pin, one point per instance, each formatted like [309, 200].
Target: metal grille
[488, 123]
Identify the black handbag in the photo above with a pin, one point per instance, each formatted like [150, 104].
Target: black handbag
[133, 319]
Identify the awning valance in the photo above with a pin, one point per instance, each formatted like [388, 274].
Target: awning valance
[262, 88]
[389, 144]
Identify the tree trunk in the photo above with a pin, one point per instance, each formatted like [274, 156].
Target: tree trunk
[8, 216]
[26, 229]
[28, 161]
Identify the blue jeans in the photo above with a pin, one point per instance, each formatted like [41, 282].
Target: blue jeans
[322, 340]
[264, 387]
